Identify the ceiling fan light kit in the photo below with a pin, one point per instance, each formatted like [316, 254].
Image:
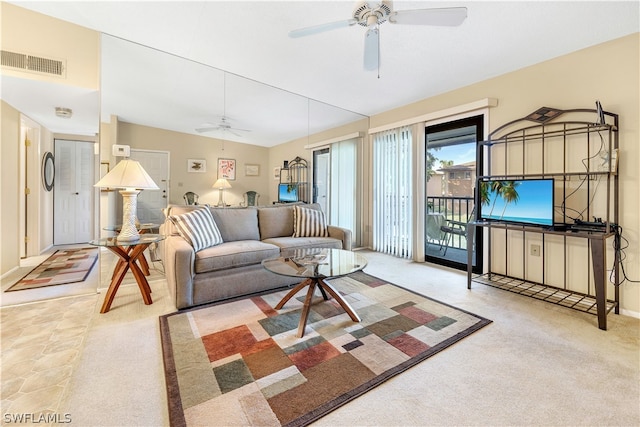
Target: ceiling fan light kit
[372, 14]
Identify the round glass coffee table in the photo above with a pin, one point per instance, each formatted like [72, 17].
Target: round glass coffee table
[314, 266]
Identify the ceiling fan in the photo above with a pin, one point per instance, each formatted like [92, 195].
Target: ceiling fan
[224, 125]
[371, 14]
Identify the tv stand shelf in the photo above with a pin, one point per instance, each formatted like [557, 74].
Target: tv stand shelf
[576, 300]
[564, 264]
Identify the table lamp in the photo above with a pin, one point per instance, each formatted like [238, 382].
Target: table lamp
[131, 177]
[221, 184]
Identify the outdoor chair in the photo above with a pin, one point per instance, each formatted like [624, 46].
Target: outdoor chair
[454, 228]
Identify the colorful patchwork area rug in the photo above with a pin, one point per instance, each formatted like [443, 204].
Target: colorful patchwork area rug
[64, 266]
[240, 363]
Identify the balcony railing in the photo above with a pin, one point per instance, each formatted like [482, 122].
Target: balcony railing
[453, 209]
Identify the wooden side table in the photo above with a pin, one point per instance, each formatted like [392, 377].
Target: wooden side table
[129, 253]
[142, 229]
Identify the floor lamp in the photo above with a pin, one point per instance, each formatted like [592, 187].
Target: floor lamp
[130, 177]
[221, 184]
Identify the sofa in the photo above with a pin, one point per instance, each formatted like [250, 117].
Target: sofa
[216, 254]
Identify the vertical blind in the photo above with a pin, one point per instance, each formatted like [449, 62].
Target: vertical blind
[393, 192]
[343, 184]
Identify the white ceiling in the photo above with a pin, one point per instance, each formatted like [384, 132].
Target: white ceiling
[268, 76]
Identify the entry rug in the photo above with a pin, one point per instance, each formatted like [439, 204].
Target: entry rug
[64, 266]
[240, 363]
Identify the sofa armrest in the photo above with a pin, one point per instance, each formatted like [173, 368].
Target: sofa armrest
[179, 267]
[340, 233]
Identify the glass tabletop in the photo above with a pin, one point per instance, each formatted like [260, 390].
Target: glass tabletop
[145, 239]
[118, 227]
[316, 263]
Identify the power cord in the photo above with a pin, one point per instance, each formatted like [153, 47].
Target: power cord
[619, 249]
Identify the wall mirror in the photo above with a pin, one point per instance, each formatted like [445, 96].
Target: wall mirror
[153, 88]
[48, 171]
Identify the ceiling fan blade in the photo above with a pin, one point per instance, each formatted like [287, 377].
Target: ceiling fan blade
[447, 16]
[307, 31]
[207, 129]
[234, 133]
[372, 49]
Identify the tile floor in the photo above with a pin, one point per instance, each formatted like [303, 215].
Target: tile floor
[40, 345]
[41, 340]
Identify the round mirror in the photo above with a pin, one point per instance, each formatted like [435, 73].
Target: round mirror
[48, 171]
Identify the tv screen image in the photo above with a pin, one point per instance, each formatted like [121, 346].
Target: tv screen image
[527, 201]
[287, 193]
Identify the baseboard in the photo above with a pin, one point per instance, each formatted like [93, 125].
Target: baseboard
[630, 313]
[9, 272]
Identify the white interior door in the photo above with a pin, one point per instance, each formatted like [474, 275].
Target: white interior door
[152, 202]
[73, 192]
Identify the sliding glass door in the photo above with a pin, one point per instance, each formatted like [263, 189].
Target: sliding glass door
[451, 170]
[334, 183]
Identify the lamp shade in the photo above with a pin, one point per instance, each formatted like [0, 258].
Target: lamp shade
[222, 183]
[127, 174]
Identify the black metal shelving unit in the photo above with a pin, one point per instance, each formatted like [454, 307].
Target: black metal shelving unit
[581, 152]
[296, 173]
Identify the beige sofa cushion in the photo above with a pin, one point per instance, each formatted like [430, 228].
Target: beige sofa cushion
[237, 223]
[234, 254]
[305, 242]
[277, 221]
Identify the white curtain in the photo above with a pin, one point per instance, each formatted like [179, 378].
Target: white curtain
[393, 192]
[343, 184]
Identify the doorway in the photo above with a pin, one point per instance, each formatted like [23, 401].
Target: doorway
[151, 203]
[73, 192]
[452, 166]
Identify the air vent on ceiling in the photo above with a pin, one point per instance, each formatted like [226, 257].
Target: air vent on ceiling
[33, 63]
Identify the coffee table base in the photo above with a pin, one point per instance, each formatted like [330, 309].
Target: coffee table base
[323, 286]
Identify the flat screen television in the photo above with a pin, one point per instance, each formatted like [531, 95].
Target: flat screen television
[527, 201]
[287, 193]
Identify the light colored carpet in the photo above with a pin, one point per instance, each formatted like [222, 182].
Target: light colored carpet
[536, 364]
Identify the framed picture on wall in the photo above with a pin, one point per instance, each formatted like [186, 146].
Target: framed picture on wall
[196, 165]
[251, 170]
[227, 169]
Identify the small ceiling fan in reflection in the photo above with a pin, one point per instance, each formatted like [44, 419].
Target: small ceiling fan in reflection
[224, 124]
[372, 14]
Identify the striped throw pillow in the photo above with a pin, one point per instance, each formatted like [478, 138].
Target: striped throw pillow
[198, 228]
[309, 223]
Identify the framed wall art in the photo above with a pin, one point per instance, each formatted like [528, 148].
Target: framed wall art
[251, 170]
[196, 165]
[227, 169]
